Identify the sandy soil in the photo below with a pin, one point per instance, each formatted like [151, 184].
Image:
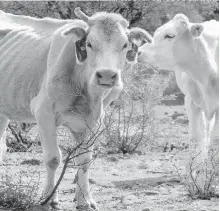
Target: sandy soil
[146, 181]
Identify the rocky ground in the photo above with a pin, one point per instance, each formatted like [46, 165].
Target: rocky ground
[144, 181]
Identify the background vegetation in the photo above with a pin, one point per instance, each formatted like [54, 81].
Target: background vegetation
[132, 125]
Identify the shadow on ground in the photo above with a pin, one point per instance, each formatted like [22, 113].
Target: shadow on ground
[145, 182]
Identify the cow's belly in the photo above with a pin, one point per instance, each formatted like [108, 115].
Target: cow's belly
[15, 98]
[16, 94]
[18, 86]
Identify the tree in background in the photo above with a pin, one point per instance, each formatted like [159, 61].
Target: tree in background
[147, 14]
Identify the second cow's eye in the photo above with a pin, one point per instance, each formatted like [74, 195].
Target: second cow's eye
[125, 46]
[169, 36]
[89, 45]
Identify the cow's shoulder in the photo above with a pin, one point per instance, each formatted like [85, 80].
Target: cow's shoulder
[211, 32]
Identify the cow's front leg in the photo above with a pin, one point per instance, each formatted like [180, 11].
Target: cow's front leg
[200, 157]
[51, 152]
[83, 193]
[194, 116]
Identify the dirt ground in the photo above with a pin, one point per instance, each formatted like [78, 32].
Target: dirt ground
[144, 181]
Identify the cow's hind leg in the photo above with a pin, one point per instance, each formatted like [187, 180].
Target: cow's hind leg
[199, 161]
[83, 193]
[214, 143]
[3, 126]
[51, 151]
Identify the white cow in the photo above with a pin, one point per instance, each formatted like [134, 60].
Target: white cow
[62, 72]
[192, 51]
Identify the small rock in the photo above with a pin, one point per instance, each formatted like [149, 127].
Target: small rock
[92, 181]
[37, 208]
[163, 190]
[131, 199]
[33, 162]
[182, 120]
[138, 152]
[143, 166]
[126, 155]
[112, 159]
[146, 209]
[165, 113]
[176, 114]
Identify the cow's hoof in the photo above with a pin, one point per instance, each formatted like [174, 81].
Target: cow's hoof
[56, 205]
[93, 205]
[84, 208]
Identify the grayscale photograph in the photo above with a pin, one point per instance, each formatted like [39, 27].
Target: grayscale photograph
[109, 105]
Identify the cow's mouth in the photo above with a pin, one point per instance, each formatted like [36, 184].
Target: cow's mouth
[106, 86]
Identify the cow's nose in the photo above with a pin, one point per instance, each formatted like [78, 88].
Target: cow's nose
[106, 77]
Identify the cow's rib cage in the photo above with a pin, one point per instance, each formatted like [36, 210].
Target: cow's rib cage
[23, 55]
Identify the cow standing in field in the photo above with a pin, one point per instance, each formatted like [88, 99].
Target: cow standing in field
[192, 51]
[62, 72]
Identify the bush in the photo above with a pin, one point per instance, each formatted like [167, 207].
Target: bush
[17, 194]
[201, 179]
[133, 123]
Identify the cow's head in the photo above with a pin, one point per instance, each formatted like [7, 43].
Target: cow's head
[173, 44]
[104, 46]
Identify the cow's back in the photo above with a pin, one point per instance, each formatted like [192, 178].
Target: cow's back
[24, 46]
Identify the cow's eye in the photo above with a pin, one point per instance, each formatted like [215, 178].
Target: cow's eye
[125, 46]
[89, 45]
[168, 36]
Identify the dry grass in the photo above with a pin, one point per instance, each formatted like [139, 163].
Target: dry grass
[18, 193]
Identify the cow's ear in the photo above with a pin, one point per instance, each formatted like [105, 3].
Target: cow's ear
[196, 29]
[181, 17]
[77, 31]
[181, 20]
[139, 34]
[80, 42]
[132, 54]
[81, 53]
[137, 37]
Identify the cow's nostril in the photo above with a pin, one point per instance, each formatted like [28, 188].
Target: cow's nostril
[139, 53]
[98, 75]
[114, 76]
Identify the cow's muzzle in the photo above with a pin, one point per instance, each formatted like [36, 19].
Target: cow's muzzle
[106, 78]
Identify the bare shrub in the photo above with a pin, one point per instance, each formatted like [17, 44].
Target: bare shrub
[18, 193]
[201, 179]
[17, 139]
[133, 123]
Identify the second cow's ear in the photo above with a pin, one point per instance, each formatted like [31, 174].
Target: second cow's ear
[132, 54]
[197, 29]
[80, 42]
[137, 37]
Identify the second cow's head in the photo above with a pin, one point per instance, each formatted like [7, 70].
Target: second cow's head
[103, 43]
